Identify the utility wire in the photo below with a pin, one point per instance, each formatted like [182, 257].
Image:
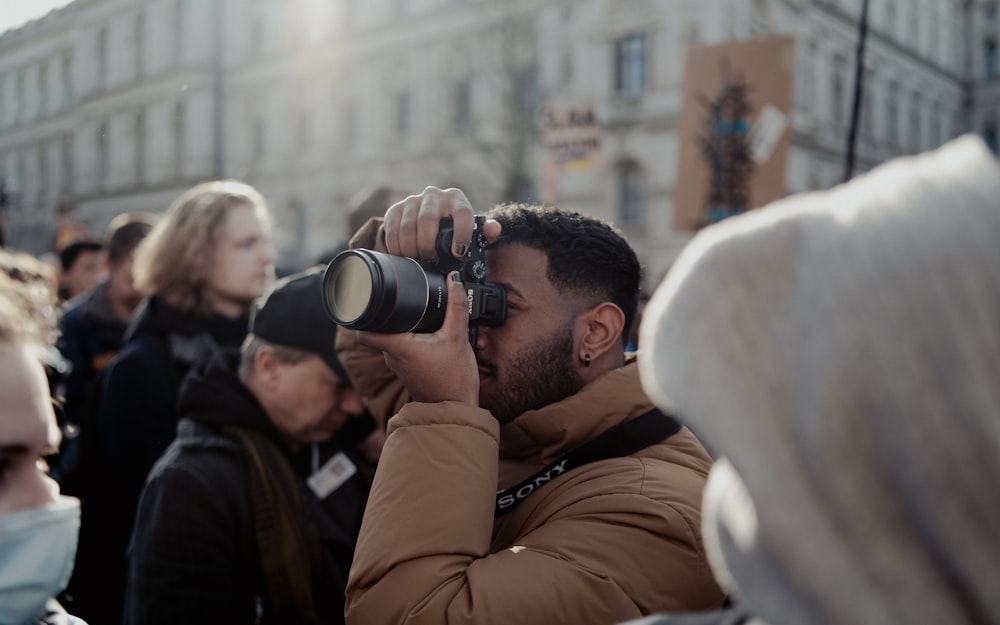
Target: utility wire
[859, 77]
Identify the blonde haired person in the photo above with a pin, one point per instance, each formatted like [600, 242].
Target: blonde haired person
[202, 266]
[38, 526]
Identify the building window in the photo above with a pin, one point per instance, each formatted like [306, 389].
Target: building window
[528, 89]
[937, 125]
[915, 38]
[916, 136]
[140, 147]
[892, 114]
[66, 156]
[178, 123]
[139, 44]
[890, 16]
[990, 11]
[43, 86]
[462, 112]
[933, 38]
[21, 96]
[67, 79]
[990, 133]
[630, 64]
[102, 55]
[630, 201]
[990, 57]
[103, 157]
[43, 168]
[404, 113]
[177, 28]
[867, 127]
[837, 93]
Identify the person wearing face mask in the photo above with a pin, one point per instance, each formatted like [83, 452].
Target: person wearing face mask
[38, 526]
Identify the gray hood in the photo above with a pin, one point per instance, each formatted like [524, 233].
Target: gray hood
[842, 351]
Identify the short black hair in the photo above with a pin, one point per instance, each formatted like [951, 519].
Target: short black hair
[72, 251]
[587, 256]
[125, 232]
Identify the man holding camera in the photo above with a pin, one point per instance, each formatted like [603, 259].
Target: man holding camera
[526, 477]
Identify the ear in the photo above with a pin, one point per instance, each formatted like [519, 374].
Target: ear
[601, 328]
[267, 368]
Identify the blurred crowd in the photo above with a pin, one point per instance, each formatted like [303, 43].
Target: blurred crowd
[797, 424]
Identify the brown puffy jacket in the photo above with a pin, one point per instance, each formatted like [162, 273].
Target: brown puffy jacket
[609, 541]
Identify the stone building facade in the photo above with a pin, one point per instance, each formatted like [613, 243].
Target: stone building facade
[115, 105]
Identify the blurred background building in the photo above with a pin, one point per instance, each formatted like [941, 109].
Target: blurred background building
[115, 105]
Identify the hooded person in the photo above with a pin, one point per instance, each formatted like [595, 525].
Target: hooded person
[251, 516]
[839, 351]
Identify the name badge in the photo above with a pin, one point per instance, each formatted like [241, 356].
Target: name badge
[331, 475]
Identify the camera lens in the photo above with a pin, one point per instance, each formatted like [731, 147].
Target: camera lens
[366, 290]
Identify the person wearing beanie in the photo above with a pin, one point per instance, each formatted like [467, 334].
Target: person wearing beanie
[839, 351]
[244, 519]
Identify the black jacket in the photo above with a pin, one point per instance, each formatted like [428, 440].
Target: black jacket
[194, 556]
[136, 421]
[90, 334]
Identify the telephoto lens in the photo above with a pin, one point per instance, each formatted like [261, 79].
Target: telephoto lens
[368, 290]
[376, 292]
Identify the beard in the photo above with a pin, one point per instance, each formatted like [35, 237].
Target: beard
[538, 376]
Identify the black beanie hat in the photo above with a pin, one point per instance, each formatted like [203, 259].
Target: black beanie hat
[292, 315]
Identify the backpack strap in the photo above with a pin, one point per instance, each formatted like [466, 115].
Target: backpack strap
[622, 440]
[287, 541]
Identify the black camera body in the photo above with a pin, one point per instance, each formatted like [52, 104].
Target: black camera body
[376, 292]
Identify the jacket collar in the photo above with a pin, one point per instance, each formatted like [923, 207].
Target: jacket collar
[213, 395]
[545, 434]
[155, 317]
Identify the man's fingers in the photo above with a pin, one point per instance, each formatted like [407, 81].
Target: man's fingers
[462, 217]
[492, 230]
[412, 225]
[456, 317]
[375, 340]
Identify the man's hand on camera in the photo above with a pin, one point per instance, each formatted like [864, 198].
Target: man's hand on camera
[411, 226]
[439, 366]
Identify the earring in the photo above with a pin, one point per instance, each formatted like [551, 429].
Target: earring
[586, 360]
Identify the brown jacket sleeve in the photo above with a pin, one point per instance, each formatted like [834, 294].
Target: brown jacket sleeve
[604, 544]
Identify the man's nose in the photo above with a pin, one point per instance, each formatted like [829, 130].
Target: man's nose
[482, 338]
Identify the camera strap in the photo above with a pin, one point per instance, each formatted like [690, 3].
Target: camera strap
[622, 440]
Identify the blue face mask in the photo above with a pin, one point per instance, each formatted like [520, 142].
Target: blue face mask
[37, 548]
